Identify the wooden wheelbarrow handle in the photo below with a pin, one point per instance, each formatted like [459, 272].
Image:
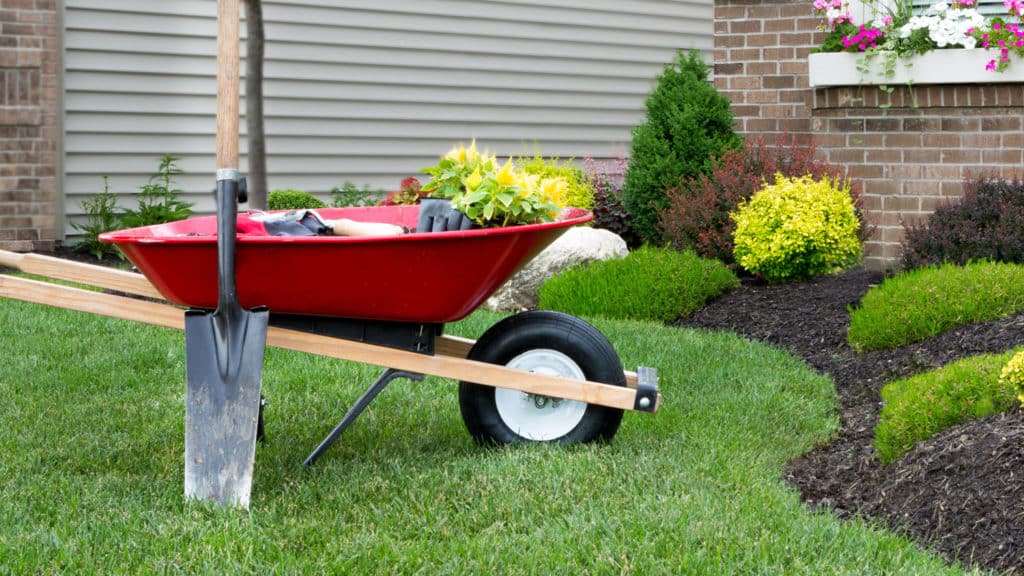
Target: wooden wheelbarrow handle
[456, 368]
[137, 284]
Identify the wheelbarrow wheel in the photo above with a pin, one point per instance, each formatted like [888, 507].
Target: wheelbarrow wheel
[551, 343]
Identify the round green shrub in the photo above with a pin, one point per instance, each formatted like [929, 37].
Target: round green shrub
[293, 200]
[579, 192]
[650, 283]
[687, 126]
[1012, 375]
[797, 228]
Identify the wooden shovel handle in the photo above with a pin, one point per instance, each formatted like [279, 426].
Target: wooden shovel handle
[227, 84]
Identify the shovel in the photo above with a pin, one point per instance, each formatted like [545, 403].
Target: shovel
[224, 349]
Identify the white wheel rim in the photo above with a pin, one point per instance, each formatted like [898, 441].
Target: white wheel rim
[536, 417]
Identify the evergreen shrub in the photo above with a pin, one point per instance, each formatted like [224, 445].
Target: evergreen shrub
[293, 200]
[687, 126]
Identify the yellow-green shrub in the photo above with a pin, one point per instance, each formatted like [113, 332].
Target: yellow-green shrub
[579, 192]
[797, 228]
[1013, 375]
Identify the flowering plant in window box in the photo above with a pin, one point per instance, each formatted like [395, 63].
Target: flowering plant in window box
[898, 35]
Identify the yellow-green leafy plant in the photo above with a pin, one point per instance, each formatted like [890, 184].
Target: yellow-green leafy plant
[797, 228]
[1012, 375]
[578, 193]
[493, 195]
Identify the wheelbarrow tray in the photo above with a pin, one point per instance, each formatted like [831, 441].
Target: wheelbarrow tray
[433, 277]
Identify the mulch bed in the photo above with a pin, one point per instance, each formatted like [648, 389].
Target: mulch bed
[959, 493]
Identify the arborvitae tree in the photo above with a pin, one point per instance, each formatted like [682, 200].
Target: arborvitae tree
[688, 126]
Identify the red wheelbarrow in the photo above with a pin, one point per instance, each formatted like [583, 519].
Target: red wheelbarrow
[538, 376]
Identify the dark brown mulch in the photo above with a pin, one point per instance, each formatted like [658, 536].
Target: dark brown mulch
[959, 493]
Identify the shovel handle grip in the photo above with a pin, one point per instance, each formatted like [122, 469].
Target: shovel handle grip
[227, 84]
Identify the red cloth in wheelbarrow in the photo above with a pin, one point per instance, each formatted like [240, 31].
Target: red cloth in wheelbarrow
[292, 223]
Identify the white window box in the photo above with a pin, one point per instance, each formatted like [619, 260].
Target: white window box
[950, 66]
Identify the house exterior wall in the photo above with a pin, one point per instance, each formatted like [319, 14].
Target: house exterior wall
[910, 150]
[29, 133]
[363, 91]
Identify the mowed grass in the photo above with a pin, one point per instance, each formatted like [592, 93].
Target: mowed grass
[91, 437]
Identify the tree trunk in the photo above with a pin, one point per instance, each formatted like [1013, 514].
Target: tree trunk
[257, 177]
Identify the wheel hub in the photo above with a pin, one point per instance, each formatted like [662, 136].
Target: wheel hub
[536, 416]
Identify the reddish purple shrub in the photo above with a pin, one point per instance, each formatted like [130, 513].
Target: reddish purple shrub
[987, 223]
[609, 211]
[697, 216]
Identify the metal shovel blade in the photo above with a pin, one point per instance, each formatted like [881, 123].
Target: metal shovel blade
[224, 367]
[222, 404]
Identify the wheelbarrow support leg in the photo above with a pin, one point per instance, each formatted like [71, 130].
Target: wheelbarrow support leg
[378, 385]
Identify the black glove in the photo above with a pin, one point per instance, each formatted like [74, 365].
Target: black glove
[437, 215]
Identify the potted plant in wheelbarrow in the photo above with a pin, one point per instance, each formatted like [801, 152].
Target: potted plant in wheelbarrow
[489, 195]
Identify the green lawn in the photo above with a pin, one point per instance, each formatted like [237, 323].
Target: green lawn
[91, 433]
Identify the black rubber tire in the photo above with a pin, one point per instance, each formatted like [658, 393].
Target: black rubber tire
[542, 329]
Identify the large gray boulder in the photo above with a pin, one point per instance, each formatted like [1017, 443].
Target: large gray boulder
[577, 246]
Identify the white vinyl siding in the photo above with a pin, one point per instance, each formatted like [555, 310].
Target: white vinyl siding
[367, 92]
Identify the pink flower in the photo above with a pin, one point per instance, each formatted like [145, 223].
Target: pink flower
[991, 65]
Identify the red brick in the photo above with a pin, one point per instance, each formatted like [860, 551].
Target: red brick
[1002, 156]
[1001, 123]
[777, 82]
[763, 69]
[730, 41]
[744, 26]
[779, 53]
[763, 39]
[781, 25]
[728, 69]
[960, 124]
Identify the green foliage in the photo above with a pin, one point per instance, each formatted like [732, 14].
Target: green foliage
[923, 302]
[293, 200]
[1012, 375]
[917, 408]
[579, 192]
[158, 203]
[688, 125]
[648, 284]
[348, 194]
[158, 200]
[697, 214]
[797, 228]
[101, 215]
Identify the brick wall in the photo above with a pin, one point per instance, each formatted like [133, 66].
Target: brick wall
[28, 124]
[909, 150]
